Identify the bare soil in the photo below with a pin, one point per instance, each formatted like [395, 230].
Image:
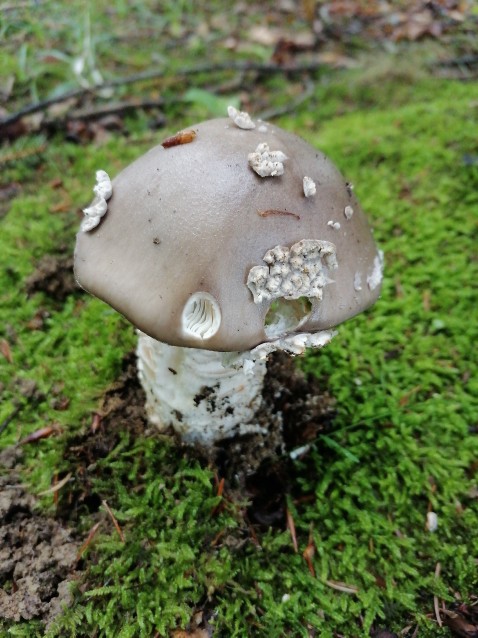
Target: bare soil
[53, 276]
[38, 555]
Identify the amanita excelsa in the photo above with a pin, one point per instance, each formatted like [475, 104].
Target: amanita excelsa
[230, 240]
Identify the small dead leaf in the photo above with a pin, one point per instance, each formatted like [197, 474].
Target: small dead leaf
[405, 398]
[88, 540]
[308, 554]
[95, 423]
[336, 60]
[42, 433]
[61, 403]
[291, 528]
[308, 9]
[37, 322]
[459, 625]
[5, 350]
[61, 207]
[79, 132]
[426, 297]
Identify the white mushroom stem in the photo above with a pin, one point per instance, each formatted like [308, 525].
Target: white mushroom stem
[201, 394]
[206, 396]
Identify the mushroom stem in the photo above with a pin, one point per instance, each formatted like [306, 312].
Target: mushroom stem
[204, 396]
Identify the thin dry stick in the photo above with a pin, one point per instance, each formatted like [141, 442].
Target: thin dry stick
[291, 527]
[15, 156]
[436, 603]
[116, 108]
[57, 486]
[115, 522]
[291, 106]
[88, 540]
[220, 490]
[436, 607]
[343, 587]
[157, 74]
[308, 554]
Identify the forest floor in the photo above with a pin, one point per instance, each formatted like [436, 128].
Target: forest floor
[108, 529]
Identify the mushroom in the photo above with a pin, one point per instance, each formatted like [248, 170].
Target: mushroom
[218, 265]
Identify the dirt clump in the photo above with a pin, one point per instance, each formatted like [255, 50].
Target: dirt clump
[38, 556]
[53, 275]
[296, 409]
[121, 409]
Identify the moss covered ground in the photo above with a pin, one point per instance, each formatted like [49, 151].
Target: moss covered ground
[404, 441]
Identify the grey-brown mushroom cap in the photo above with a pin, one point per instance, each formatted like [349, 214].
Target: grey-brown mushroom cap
[196, 218]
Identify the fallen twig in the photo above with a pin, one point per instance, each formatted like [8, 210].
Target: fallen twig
[42, 105]
[220, 490]
[291, 527]
[57, 486]
[88, 540]
[343, 587]
[115, 522]
[42, 433]
[156, 74]
[15, 156]
[118, 108]
[436, 603]
[308, 554]
[290, 107]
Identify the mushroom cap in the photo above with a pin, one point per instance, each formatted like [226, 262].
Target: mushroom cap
[196, 218]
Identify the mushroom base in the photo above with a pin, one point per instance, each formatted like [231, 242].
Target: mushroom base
[204, 396]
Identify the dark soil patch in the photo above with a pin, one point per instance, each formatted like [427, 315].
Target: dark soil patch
[295, 410]
[462, 618]
[38, 556]
[53, 276]
[121, 410]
